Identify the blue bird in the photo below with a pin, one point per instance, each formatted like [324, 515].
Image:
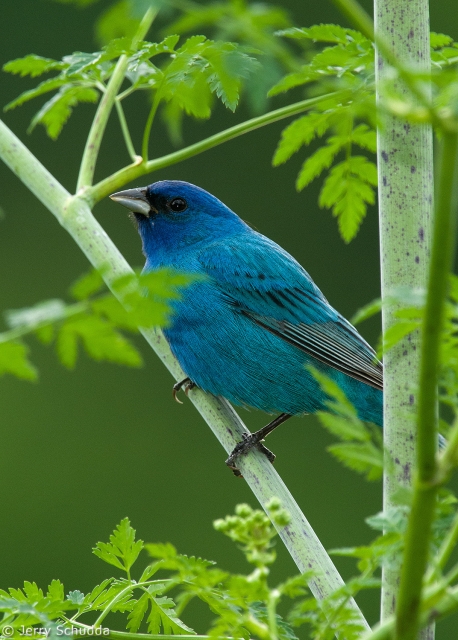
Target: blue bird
[250, 328]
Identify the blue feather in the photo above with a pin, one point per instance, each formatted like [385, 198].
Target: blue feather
[250, 328]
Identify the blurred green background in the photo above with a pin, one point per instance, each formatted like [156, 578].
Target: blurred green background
[82, 449]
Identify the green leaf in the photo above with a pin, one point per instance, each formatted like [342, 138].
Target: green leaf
[348, 189]
[439, 40]
[55, 113]
[202, 67]
[100, 339]
[56, 591]
[365, 137]
[45, 334]
[366, 312]
[251, 24]
[161, 550]
[300, 132]
[345, 428]
[324, 33]
[147, 296]
[44, 87]
[76, 597]
[87, 285]
[80, 62]
[397, 332]
[362, 449]
[364, 458]
[316, 163]
[32, 65]
[163, 615]
[122, 550]
[296, 79]
[13, 360]
[137, 614]
[296, 586]
[151, 49]
[150, 570]
[338, 400]
[98, 594]
[110, 308]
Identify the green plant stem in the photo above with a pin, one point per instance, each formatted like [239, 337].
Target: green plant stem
[67, 312]
[116, 181]
[274, 597]
[125, 131]
[92, 148]
[426, 483]
[75, 216]
[443, 607]
[149, 123]
[126, 635]
[119, 596]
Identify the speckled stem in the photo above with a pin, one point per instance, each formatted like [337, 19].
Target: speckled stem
[405, 169]
[75, 216]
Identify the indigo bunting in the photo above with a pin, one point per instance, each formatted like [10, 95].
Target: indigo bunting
[250, 328]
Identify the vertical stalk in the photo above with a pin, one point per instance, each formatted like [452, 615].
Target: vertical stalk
[405, 168]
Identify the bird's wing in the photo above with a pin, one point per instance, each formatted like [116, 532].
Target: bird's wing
[263, 282]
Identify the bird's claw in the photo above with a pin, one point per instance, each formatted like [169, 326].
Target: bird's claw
[249, 442]
[187, 384]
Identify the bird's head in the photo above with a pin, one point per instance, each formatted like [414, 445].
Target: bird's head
[172, 215]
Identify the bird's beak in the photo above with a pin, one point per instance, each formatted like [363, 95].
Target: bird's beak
[133, 199]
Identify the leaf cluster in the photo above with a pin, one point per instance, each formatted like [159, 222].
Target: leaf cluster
[186, 78]
[97, 321]
[343, 68]
[253, 25]
[242, 606]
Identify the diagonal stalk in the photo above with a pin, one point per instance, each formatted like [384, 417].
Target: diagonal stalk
[75, 216]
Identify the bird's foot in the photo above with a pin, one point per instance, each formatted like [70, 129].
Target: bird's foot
[187, 384]
[249, 442]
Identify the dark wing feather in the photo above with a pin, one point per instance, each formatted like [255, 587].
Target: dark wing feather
[330, 343]
[267, 285]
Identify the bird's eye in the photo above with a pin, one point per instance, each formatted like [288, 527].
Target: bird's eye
[178, 204]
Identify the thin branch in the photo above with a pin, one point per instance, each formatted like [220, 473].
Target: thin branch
[92, 148]
[68, 311]
[75, 216]
[117, 180]
[125, 131]
[149, 124]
